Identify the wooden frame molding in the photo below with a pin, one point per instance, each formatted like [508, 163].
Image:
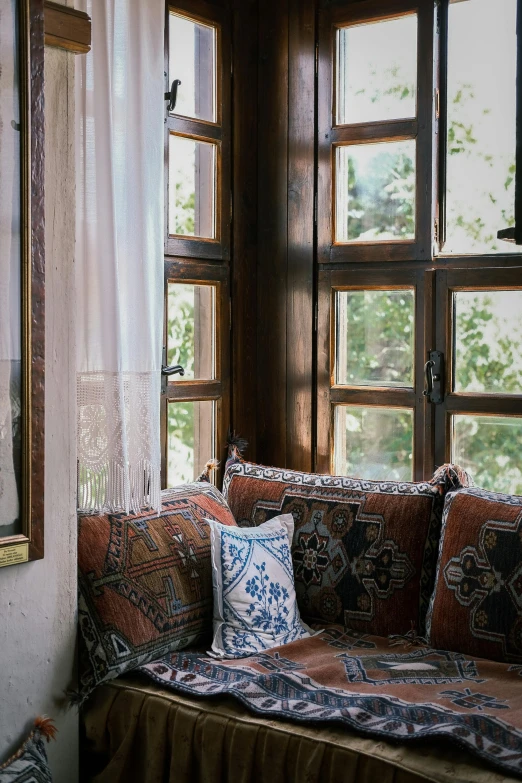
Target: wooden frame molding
[67, 28]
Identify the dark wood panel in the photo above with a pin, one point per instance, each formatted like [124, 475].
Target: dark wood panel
[67, 28]
[300, 275]
[244, 235]
[272, 232]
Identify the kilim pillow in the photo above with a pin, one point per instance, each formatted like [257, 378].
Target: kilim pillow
[145, 581]
[255, 606]
[364, 552]
[477, 603]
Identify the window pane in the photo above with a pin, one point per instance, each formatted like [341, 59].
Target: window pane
[373, 443]
[489, 447]
[192, 185]
[191, 330]
[377, 71]
[191, 441]
[192, 60]
[375, 192]
[488, 342]
[481, 125]
[374, 345]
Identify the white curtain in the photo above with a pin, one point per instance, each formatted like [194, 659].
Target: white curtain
[120, 87]
[10, 266]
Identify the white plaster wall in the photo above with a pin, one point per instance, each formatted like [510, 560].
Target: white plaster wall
[38, 600]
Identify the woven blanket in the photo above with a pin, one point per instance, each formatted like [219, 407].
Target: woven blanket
[373, 686]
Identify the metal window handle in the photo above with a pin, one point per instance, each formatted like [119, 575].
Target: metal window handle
[434, 373]
[173, 369]
[172, 96]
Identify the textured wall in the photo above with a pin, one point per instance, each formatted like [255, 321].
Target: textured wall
[38, 600]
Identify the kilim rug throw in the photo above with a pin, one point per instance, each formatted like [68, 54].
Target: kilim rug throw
[398, 692]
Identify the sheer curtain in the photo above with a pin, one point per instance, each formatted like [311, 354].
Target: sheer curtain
[120, 87]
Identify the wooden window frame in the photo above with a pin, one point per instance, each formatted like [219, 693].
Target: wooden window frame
[473, 403]
[420, 128]
[330, 394]
[199, 261]
[217, 389]
[217, 133]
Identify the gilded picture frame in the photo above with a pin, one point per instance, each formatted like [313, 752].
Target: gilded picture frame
[22, 539]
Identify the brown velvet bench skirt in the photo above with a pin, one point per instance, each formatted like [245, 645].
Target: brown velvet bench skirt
[137, 732]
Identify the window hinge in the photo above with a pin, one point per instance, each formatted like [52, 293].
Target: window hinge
[437, 103]
[315, 208]
[436, 230]
[315, 316]
[316, 58]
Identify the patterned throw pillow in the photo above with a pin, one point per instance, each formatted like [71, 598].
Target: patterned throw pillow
[145, 581]
[255, 606]
[29, 764]
[364, 552]
[477, 603]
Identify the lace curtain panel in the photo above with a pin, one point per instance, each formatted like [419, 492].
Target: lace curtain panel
[119, 270]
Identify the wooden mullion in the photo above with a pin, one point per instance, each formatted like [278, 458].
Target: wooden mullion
[372, 132]
[178, 391]
[194, 129]
[382, 396]
[497, 404]
[374, 10]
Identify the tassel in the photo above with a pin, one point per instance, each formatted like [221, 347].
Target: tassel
[211, 465]
[46, 727]
[408, 640]
[236, 446]
[449, 477]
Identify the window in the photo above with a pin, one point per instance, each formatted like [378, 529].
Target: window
[195, 404]
[419, 331]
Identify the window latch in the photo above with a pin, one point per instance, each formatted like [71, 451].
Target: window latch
[174, 369]
[172, 96]
[434, 373]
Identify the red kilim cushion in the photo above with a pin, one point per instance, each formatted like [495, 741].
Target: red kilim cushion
[145, 581]
[477, 603]
[364, 552]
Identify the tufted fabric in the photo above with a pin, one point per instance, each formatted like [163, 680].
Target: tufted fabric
[477, 604]
[145, 581]
[364, 552]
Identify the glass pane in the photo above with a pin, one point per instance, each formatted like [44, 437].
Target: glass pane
[10, 276]
[191, 441]
[373, 443]
[377, 71]
[481, 125]
[191, 330]
[192, 60]
[374, 345]
[192, 186]
[375, 192]
[488, 342]
[489, 447]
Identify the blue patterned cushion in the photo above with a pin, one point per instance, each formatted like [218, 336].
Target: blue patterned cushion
[255, 606]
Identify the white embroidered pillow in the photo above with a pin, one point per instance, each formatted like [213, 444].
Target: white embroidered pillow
[255, 606]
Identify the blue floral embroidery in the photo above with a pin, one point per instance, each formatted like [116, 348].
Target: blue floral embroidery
[255, 590]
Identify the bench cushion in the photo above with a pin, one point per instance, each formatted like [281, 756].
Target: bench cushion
[364, 552]
[145, 581]
[477, 603]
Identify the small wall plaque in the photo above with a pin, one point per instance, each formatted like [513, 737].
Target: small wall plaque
[11, 555]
